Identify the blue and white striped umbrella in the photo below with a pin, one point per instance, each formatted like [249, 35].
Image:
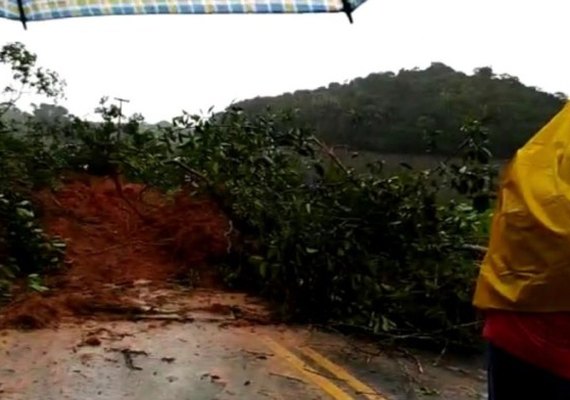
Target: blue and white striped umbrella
[40, 10]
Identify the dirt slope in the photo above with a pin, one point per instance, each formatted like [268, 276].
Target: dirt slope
[112, 250]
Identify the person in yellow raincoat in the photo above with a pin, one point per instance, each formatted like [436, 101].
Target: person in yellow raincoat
[523, 287]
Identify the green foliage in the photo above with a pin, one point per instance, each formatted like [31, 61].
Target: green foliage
[473, 177]
[27, 162]
[26, 75]
[35, 283]
[369, 250]
[25, 249]
[391, 113]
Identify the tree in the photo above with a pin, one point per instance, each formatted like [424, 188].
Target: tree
[484, 72]
[26, 76]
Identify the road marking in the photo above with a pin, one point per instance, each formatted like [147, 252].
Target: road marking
[342, 374]
[307, 371]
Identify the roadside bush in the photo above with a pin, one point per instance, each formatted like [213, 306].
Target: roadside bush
[27, 162]
[370, 251]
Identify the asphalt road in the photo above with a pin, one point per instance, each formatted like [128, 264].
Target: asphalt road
[209, 356]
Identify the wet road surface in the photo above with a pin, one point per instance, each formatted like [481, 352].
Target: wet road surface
[207, 356]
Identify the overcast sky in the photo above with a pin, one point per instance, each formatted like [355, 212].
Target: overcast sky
[165, 64]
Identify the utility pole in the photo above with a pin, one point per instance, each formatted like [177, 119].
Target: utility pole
[119, 127]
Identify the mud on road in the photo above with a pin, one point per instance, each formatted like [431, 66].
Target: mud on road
[212, 359]
[110, 248]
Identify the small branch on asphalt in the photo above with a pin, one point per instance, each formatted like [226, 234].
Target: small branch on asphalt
[441, 355]
[164, 318]
[129, 361]
[408, 354]
[389, 337]
[128, 357]
[290, 378]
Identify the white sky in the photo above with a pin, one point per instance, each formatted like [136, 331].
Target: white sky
[165, 64]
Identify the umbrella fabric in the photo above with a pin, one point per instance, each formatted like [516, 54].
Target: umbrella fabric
[527, 266]
[38, 10]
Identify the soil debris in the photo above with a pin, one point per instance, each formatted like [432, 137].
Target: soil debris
[111, 249]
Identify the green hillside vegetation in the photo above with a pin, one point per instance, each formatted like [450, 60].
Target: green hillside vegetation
[401, 113]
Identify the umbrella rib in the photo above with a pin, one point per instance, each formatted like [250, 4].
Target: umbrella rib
[23, 17]
[346, 7]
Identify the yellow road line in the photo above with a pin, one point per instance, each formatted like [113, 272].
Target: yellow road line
[342, 374]
[326, 385]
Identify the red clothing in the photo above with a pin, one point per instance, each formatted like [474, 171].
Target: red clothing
[541, 339]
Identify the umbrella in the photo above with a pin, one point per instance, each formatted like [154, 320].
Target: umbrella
[40, 10]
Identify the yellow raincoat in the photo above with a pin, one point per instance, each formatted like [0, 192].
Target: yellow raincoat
[527, 266]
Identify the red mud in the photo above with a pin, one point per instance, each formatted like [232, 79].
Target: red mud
[110, 248]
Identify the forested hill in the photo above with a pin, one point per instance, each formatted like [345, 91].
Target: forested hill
[393, 113]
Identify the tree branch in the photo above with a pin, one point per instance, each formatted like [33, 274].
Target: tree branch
[190, 171]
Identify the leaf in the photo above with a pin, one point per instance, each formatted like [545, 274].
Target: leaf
[24, 213]
[38, 287]
[35, 283]
[310, 250]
